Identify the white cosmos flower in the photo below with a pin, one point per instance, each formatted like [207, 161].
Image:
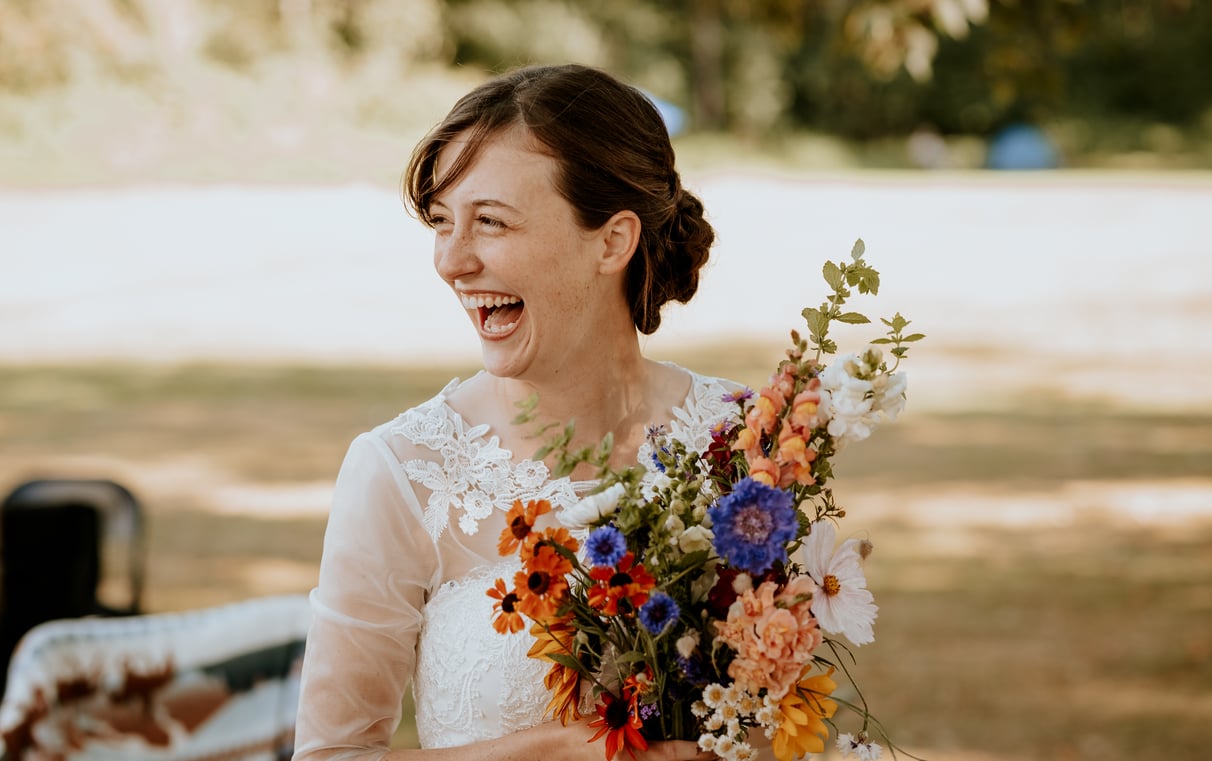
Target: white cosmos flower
[592, 508]
[843, 605]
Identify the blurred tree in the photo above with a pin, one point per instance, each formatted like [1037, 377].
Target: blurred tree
[858, 68]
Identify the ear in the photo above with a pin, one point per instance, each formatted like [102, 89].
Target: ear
[620, 236]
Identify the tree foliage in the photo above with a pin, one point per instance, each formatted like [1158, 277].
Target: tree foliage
[859, 68]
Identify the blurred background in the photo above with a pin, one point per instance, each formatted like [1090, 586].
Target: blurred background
[208, 286]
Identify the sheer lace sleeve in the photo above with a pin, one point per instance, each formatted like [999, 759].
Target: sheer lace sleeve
[378, 567]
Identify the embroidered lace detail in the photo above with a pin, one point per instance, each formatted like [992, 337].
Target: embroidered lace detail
[474, 473]
[474, 476]
[473, 683]
[704, 409]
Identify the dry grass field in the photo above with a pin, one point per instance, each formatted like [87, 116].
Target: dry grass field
[1044, 573]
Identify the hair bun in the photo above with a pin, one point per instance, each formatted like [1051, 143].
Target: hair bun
[676, 263]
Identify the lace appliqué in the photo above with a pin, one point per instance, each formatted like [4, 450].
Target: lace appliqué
[473, 683]
[473, 472]
[705, 408]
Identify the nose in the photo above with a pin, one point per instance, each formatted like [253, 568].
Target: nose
[454, 255]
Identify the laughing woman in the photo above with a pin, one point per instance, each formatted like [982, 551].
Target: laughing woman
[562, 227]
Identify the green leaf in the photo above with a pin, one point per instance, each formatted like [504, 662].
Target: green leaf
[898, 323]
[828, 346]
[852, 318]
[913, 337]
[858, 250]
[881, 340]
[900, 351]
[833, 275]
[818, 321]
[569, 662]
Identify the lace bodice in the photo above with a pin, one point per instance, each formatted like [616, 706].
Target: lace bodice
[403, 580]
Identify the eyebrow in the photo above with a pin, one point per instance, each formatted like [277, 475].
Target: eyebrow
[490, 202]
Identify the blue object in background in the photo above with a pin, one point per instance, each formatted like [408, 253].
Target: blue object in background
[674, 117]
[1021, 146]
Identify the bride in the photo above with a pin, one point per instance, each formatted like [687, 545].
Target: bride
[562, 227]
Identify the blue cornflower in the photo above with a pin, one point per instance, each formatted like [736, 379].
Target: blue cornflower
[753, 525]
[659, 612]
[605, 546]
[656, 458]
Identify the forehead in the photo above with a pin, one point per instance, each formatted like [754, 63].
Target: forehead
[509, 162]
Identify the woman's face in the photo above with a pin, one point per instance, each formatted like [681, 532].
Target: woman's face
[524, 269]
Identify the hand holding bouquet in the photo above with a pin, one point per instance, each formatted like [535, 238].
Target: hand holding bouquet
[705, 598]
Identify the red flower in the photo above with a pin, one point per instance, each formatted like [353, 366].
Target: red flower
[622, 588]
[620, 723]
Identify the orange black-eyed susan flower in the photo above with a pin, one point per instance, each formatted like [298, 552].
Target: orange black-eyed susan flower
[619, 722]
[563, 682]
[554, 535]
[519, 522]
[622, 588]
[508, 619]
[542, 586]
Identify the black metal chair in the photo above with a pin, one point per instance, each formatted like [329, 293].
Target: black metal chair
[61, 542]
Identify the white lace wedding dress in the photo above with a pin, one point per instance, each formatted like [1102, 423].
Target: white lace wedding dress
[409, 554]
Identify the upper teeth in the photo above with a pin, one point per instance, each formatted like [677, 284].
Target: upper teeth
[475, 302]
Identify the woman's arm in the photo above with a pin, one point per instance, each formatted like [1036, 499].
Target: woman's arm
[377, 567]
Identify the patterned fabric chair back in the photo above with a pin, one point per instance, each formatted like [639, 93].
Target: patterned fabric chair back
[214, 684]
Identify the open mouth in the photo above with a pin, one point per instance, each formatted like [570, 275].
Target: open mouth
[498, 314]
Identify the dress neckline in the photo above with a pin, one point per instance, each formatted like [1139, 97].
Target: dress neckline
[483, 431]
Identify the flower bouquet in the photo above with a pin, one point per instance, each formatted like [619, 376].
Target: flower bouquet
[704, 598]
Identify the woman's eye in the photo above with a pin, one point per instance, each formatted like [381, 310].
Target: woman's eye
[489, 221]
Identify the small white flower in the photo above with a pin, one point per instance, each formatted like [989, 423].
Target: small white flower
[674, 525]
[863, 749]
[765, 716]
[592, 508]
[713, 694]
[724, 746]
[727, 712]
[733, 727]
[695, 538]
[843, 605]
[699, 709]
[687, 644]
[732, 694]
[713, 723]
[707, 742]
[845, 743]
[869, 751]
[747, 705]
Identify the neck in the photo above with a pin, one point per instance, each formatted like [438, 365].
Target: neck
[599, 396]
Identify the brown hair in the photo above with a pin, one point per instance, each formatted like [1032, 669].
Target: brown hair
[614, 155]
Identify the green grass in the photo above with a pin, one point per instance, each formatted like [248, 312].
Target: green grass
[1086, 637]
